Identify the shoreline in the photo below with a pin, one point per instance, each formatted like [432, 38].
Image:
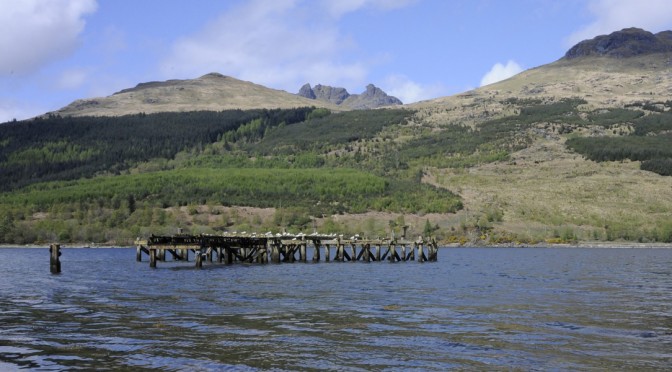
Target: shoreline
[580, 245]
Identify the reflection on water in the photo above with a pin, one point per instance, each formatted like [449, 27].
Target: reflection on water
[473, 309]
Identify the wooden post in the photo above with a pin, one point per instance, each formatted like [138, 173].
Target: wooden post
[353, 258]
[275, 252]
[326, 253]
[55, 260]
[199, 259]
[420, 253]
[219, 254]
[302, 252]
[229, 255]
[209, 253]
[162, 255]
[366, 253]
[403, 252]
[152, 258]
[340, 252]
[138, 253]
[378, 249]
[316, 254]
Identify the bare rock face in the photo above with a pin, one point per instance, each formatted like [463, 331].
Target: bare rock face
[373, 96]
[331, 94]
[629, 42]
[307, 92]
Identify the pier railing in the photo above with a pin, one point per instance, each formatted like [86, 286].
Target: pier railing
[276, 248]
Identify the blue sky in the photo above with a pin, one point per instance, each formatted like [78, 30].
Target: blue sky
[55, 51]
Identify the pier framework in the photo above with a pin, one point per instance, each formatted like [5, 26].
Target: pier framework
[244, 248]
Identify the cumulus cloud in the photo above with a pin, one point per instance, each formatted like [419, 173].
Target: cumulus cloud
[36, 32]
[614, 15]
[500, 72]
[278, 43]
[408, 91]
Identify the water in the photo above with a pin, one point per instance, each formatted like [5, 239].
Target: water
[474, 309]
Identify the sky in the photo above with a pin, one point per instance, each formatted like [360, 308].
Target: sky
[53, 52]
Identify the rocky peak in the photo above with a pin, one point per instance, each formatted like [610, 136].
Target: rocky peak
[371, 98]
[334, 95]
[629, 42]
[307, 92]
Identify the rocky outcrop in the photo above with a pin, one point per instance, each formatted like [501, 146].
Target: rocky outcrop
[373, 96]
[307, 92]
[629, 42]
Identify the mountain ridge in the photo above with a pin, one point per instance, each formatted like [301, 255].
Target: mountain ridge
[372, 97]
[572, 151]
[628, 42]
[210, 92]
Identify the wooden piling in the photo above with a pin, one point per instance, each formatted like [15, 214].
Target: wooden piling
[302, 252]
[283, 248]
[152, 258]
[199, 258]
[55, 258]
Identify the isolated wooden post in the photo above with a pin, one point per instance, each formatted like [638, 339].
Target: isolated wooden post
[55, 260]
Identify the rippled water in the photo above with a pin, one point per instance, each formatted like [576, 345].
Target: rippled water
[528, 309]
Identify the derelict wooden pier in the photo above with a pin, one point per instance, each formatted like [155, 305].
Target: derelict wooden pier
[253, 248]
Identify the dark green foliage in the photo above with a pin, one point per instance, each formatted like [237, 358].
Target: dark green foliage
[613, 116]
[494, 138]
[654, 123]
[661, 166]
[636, 148]
[322, 191]
[58, 148]
[324, 131]
[654, 152]
[563, 111]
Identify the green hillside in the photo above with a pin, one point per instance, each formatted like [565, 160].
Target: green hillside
[111, 179]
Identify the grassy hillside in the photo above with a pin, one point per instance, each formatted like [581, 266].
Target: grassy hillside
[562, 153]
[168, 167]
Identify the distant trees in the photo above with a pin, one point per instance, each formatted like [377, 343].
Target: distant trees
[63, 148]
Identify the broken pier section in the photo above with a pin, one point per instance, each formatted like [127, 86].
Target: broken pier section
[253, 248]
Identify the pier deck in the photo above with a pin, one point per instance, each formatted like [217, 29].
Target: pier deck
[254, 248]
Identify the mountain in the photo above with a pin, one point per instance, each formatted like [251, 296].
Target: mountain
[629, 42]
[577, 150]
[212, 92]
[571, 117]
[373, 97]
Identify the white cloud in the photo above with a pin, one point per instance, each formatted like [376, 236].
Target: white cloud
[73, 79]
[408, 91]
[615, 15]
[341, 7]
[281, 44]
[36, 32]
[500, 72]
